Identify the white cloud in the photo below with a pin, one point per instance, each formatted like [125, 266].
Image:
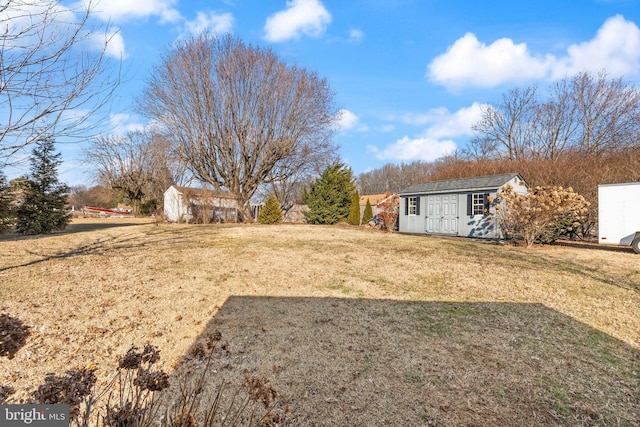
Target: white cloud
[112, 43]
[61, 22]
[356, 35]
[443, 124]
[211, 21]
[345, 120]
[407, 149]
[120, 10]
[115, 46]
[422, 119]
[122, 123]
[469, 62]
[34, 23]
[22, 14]
[301, 17]
[616, 48]
[435, 140]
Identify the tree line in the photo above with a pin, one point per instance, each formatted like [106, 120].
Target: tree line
[580, 132]
[586, 113]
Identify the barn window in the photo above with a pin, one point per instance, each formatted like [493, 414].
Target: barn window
[412, 205]
[478, 203]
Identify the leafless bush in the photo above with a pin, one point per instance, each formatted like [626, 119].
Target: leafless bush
[198, 402]
[130, 395]
[541, 215]
[202, 212]
[133, 400]
[137, 392]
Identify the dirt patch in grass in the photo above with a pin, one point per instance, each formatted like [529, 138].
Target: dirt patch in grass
[353, 327]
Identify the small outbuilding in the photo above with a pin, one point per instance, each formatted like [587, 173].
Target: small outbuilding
[185, 204]
[456, 207]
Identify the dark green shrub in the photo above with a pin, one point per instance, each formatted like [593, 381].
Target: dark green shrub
[149, 207]
[45, 197]
[329, 197]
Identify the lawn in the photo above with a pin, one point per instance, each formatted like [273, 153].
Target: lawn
[351, 326]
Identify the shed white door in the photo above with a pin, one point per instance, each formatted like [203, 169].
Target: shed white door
[442, 214]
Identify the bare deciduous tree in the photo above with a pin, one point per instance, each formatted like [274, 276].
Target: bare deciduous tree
[136, 163]
[607, 110]
[505, 128]
[554, 124]
[237, 114]
[51, 79]
[99, 196]
[586, 113]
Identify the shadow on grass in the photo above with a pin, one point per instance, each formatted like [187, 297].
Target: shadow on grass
[354, 362]
[102, 244]
[594, 246]
[72, 228]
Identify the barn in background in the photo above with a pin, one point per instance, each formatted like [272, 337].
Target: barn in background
[185, 204]
[457, 207]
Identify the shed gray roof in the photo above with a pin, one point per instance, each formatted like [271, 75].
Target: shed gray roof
[479, 183]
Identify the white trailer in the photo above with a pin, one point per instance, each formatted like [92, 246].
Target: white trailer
[619, 214]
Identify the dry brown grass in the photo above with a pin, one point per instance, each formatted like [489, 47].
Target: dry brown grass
[353, 327]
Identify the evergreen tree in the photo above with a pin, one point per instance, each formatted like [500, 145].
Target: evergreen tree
[271, 212]
[43, 208]
[6, 208]
[368, 213]
[354, 211]
[329, 197]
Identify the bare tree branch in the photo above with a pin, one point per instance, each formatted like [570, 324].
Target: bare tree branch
[586, 113]
[505, 127]
[51, 79]
[137, 163]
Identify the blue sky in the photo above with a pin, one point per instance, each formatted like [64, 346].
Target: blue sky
[409, 76]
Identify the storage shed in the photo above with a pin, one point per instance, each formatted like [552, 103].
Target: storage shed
[185, 204]
[456, 207]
